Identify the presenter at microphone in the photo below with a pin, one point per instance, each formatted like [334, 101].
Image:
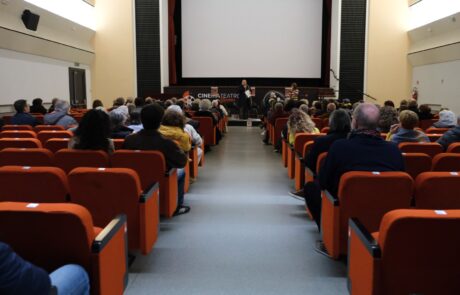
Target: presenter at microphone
[244, 99]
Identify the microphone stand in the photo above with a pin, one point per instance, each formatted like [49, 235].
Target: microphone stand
[354, 89]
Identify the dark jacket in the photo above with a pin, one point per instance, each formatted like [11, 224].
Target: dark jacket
[322, 145]
[152, 140]
[20, 277]
[120, 132]
[24, 119]
[358, 153]
[451, 136]
[242, 98]
[207, 114]
[38, 109]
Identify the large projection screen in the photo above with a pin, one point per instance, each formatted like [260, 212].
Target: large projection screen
[251, 38]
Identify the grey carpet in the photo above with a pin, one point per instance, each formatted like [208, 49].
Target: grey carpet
[244, 234]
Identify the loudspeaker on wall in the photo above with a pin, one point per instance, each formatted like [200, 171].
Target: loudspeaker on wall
[30, 20]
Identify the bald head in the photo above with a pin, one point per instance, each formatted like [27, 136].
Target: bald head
[366, 116]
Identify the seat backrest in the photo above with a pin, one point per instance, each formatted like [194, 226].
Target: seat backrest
[56, 144]
[419, 251]
[69, 159]
[302, 138]
[325, 130]
[431, 148]
[434, 130]
[280, 123]
[26, 157]
[48, 235]
[39, 128]
[106, 193]
[118, 143]
[434, 137]
[43, 136]
[19, 143]
[369, 195]
[437, 190]
[320, 161]
[319, 123]
[416, 163]
[7, 119]
[18, 127]
[17, 134]
[149, 165]
[33, 184]
[446, 162]
[454, 147]
[206, 129]
[426, 124]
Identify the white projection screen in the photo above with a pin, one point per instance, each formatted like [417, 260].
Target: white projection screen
[251, 38]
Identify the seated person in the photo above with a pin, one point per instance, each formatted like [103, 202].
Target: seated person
[278, 112]
[37, 107]
[364, 150]
[329, 109]
[172, 127]
[404, 131]
[299, 122]
[60, 116]
[118, 128]
[425, 112]
[451, 136]
[135, 123]
[22, 116]
[205, 106]
[388, 118]
[19, 277]
[53, 103]
[150, 139]
[98, 105]
[93, 133]
[447, 119]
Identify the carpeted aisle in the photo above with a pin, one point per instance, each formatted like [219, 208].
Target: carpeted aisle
[244, 235]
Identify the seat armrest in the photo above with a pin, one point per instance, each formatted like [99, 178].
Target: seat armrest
[299, 156]
[334, 200]
[170, 172]
[365, 237]
[148, 192]
[310, 173]
[104, 237]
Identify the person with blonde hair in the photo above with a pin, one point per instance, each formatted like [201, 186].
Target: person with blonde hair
[404, 131]
[172, 127]
[300, 122]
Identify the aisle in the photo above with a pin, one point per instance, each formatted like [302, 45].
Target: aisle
[244, 235]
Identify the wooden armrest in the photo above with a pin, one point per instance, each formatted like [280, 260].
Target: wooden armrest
[365, 237]
[104, 237]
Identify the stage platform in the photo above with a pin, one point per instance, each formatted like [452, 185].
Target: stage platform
[247, 123]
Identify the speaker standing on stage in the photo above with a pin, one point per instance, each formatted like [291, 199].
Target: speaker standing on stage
[244, 99]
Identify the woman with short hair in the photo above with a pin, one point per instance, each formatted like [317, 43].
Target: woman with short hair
[405, 130]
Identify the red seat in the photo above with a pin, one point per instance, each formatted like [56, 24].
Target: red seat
[280, 123]
[297, 149]
[118, 143]
[416, 163]
[26, 157]
[40, 128]
[108, 192]
[53, 235]
[57, 144]
[431, 149]
[426, 124]
[19, 143]
[434, 137]
[434, 130]
[454, 147]
[325, 130]
[437, 190]
[446, 162]
[207, 130]
[151, 168]
[69, 159]
[413, 252]
[44, 136]
[18, 127]
[318, 123]
[17, 134]
[363, 195]
[33, 184]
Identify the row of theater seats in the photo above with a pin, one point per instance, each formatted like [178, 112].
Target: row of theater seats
[398, 234]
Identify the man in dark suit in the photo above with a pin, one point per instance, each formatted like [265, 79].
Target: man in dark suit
[364, 150]
[243, 99]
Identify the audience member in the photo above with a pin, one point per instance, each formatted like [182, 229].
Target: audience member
[331, 107]
[117, 123]
[148, 100]
[451, 136]
[413, 106]
[93, 133]
[98, 105]
[389, 103]
[150, 139]
[37, 107]
[403, 105]
[277, 112]
[53, 103]
[205, 106]
[447, 119]
[60, 116]
[425, 112]
[294, 91]
[405, 132]
[20, 277]
[172, 127]
[135, 123]
[299, 122]
[364, 150]
[120, 101]
[388, 118]
[22, 116]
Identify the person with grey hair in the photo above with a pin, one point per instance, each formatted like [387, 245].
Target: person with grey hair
[117, 125]
[60, 116]
[447, 119]
[363, 150]
[205, 106]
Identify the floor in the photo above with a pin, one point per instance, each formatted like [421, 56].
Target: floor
[244, 234]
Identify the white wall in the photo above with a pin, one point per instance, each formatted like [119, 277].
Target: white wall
[25, 76]
[164, 48]
[439, 84]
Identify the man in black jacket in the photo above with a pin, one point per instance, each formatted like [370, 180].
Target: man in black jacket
[364, 150]
[150, 139]
[22, 116]
[451, 136]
